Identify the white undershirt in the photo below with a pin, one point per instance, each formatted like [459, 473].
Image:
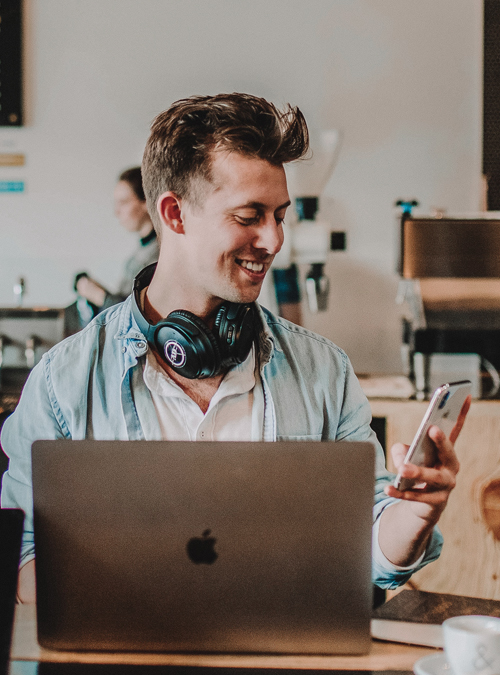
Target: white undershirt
[235, 413]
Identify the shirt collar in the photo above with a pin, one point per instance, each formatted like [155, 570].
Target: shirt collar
[238, 380]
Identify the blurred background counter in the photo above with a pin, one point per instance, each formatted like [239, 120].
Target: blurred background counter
[25, 335]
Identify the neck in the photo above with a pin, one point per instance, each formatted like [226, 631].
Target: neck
[150, 312]
[167, 292]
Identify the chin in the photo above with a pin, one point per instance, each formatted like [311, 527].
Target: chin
[242, 297]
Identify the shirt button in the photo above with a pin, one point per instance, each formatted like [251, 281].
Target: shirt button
[124, 349]
[202, 434]
[141, 344]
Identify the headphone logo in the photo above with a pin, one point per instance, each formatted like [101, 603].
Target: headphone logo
[175, 353]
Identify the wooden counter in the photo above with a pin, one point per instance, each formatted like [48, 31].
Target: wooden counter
[470, 561]
[383, 655]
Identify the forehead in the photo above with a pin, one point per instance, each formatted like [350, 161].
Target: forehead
[238, 176]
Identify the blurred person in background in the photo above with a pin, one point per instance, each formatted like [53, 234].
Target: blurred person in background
[131, 211]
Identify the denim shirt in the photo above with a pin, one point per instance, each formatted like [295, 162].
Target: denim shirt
[90, 386]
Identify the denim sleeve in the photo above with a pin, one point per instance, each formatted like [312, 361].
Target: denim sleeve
[33, 419]
[387, 575]
[354, 425]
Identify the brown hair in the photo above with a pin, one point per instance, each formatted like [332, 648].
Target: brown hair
[133, 177]
[182, 138]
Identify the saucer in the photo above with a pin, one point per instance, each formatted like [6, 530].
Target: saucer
[435, 664]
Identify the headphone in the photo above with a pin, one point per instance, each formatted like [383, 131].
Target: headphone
[186, 343]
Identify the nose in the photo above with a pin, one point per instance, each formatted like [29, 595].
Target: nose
[269, 236]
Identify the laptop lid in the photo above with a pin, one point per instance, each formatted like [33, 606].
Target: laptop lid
[211, 547]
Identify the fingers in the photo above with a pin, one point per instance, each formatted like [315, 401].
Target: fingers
[434, 498]
[439, 478]
[398, 452]
[445, 452]
[434, 479]
[445, 449]
[461, 419]
[432, 485]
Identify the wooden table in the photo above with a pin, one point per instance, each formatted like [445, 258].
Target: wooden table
[383, 655]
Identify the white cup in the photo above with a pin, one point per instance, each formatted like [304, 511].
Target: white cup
[472, 645]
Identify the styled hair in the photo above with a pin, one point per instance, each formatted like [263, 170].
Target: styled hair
[178, 151]
[133, 177]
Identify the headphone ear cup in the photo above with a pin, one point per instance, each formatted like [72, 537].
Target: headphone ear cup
[188, 345]
[235, 326]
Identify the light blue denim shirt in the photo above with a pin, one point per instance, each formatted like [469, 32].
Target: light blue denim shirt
[91, 386]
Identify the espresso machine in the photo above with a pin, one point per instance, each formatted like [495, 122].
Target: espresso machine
[26, 333]
[308, 239]
[450, 291]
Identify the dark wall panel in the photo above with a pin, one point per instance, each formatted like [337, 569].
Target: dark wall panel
[491, 102]
[11, 63]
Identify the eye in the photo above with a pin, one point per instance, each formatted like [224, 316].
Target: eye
[250, 220]
[280, 217]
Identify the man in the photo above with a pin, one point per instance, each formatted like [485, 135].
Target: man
[217, 194]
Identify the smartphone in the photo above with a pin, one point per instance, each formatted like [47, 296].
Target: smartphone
[443, 411]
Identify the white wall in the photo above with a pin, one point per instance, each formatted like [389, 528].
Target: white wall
[400, 78]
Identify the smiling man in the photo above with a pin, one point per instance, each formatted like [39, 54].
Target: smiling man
[190, 355]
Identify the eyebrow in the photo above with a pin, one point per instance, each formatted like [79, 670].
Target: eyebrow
[259, 206]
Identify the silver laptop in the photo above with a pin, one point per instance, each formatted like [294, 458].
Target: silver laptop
[204, 547]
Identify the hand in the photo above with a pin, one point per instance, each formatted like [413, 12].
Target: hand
[430, 494]
[405, 527]
[90, 290]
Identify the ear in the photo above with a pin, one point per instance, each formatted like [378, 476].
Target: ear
[168, 206]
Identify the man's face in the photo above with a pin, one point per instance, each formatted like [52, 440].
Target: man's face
[232, 236]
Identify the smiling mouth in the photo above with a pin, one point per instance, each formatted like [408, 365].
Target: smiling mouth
[255, 267]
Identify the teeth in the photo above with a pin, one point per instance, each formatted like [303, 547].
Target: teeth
[253, 266]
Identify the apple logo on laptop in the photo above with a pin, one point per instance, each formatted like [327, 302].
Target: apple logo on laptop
[201, 549]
